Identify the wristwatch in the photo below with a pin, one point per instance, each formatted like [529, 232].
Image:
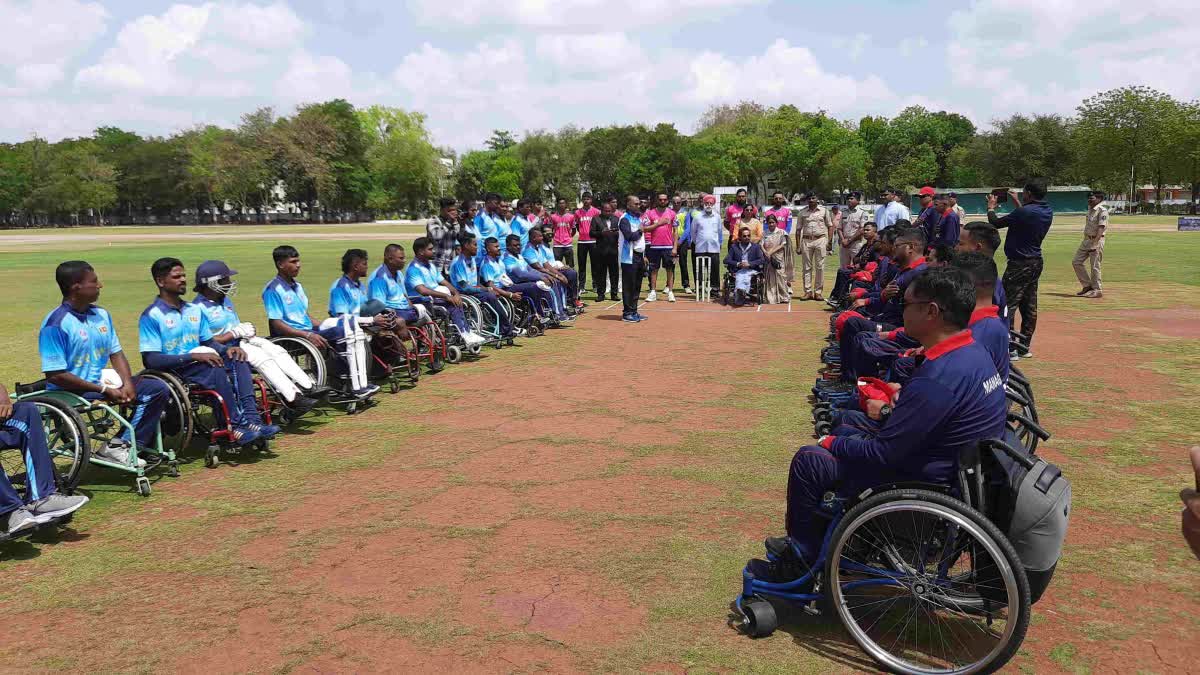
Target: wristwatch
[885, 411]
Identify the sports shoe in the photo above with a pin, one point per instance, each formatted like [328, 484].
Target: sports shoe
[265, 430]
[1084, 291]
[117, 450]
[652, 296]
[614, 298]
[641, 317]
[818, 297]
[18, 520]
[1027, 355]
[599, 297]
[776, 571]
[245, 435]
[1013, 355]
[55, 506]
[303, 404]
[1094, 293]
[670, 295]
[630, 318]
[688, 290]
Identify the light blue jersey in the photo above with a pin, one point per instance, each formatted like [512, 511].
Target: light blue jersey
[388, 288]
[170, 331]
[492, 270]
[464, 274]
[221, 315]
[346, 296]
[78, 343]
[285, 301]
[420, 274]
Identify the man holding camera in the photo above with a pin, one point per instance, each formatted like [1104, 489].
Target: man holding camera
[1027, 226]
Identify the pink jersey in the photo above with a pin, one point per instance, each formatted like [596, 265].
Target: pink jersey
[583, 220]
[663, 237]
[564, 227]
[783, 215]
[733, 213]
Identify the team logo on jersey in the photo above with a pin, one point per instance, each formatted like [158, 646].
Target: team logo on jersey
[195, 318]
[103, 330]
[287, 299]
[169, 321]
[83, 334]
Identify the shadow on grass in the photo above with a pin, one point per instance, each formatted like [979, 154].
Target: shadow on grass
[821, 635]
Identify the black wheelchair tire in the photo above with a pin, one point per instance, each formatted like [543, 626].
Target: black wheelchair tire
[67, 481]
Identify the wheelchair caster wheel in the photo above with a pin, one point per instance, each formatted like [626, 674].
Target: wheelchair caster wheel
[262, 446]
[758, 618]
[453, 354]
[173, 469]
[212, 457]
[143, 486]
[509, 342]
[474, 350]
[352, 407]
[822, 428]
[438, 365]
[394, 387]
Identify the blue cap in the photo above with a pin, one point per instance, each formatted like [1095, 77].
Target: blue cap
[213, 269]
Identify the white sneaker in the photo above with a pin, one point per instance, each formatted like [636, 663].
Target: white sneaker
[118, 451]
[652, 296]
[688, 290]
[474, 339]
[670, 295]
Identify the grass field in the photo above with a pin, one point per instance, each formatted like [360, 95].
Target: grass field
[601, 523]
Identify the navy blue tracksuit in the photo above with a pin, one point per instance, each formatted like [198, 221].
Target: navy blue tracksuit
[23, 430]
[889, 315]
[955, 399]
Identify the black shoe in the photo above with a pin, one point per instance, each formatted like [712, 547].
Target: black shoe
[303, 404]
[1085, 291]
[777, 572]
[778, 547]
[614, 298]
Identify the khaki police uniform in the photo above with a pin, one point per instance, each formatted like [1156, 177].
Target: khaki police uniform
[852, 226]
[1090, 253]
[812, 228]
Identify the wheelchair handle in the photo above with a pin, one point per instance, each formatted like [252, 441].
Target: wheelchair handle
[1018, 456]
[1018, 377]
[1015, 397]
[1030, 425]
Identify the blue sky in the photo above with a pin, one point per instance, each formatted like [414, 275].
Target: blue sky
[67, 66]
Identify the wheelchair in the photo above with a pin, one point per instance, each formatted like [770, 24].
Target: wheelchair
[327, 380]
[394, 358]
[755, 296]
[193, 411]
[484, 321]
[77, 428]
[920, 575]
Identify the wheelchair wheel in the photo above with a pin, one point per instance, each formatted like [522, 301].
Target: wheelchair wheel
[926, 584]
[67, 439]
[307, 356]
[453, 354]
[759, 619]
[473, 313]
[177, 423]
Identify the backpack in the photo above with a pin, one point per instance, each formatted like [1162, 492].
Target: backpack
[1030, 501]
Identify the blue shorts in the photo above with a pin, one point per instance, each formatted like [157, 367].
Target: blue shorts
[660, 257]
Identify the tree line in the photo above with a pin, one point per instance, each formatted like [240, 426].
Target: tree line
[331, 161]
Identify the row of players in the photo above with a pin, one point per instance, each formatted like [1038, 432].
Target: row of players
[205, 343]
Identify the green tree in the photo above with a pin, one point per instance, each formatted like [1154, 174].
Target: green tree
[346, 156]
[500, 140]
[15, 176]
[405, 168]
[505, 176]
[306, 148]
[471, 173]
[202, 170]
[1123, 130]
[550, 163]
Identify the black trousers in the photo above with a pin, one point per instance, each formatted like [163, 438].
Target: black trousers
[584, 251]
[685, 263]
[1021, 287]
[565, 255]
[631, 283]
[605, 270]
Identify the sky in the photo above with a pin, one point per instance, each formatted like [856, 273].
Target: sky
[69, 66]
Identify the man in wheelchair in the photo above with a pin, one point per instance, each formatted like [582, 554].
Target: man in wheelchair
[21, 428]
[521, 272]
[744, 264]
[287, 315]
[347, 296]
[541, 258]
[174, 335]
[214, 287]
[75, 341]
[387, 286]
[954, 399]
[494, 276]
[464, 274]
[425, 282]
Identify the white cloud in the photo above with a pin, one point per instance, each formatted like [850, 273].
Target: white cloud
[1035, 56]
[910, 45]
[22, 118]
[41, 37]
[594, 53]
[571, 14]
[224, 49]
[314, 78]
[853, 46]
[781, 74]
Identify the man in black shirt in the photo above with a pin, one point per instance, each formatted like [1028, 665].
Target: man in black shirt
[1027, 226]
[606, 231]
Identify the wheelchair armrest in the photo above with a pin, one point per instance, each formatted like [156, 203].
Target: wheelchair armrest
[29, 387]
[1029, 424]
[1019, 456]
